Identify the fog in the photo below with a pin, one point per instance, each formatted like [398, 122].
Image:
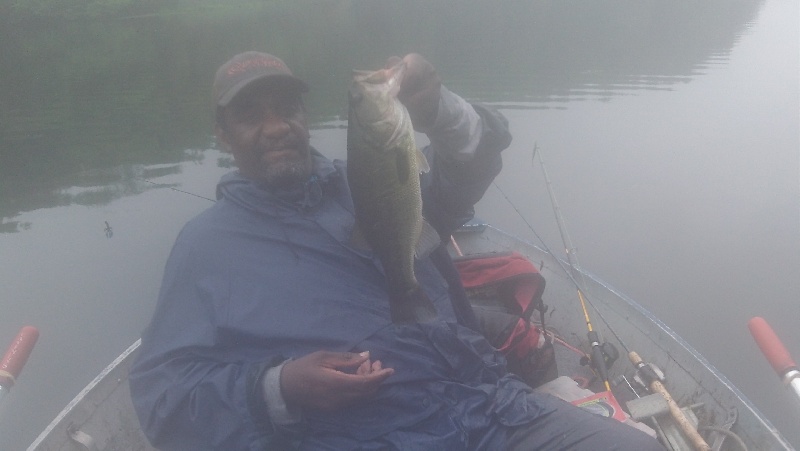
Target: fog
[670, 131]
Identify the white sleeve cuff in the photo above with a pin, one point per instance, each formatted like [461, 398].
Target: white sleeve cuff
[457, 129]
[279, 413]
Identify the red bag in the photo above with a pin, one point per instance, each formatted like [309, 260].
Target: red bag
[504, 290]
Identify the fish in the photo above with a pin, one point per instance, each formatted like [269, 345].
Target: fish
[383, 169]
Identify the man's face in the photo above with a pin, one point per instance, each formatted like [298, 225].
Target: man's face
[266, 130]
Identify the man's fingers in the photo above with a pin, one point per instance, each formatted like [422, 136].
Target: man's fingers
[368, 374]
[364, 368]
[360, 386]
[337, 360]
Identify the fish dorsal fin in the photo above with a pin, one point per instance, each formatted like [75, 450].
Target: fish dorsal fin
[428, 241]
[422, 162]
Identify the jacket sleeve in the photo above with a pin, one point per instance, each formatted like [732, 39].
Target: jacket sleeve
[190, 394]
[464, 155]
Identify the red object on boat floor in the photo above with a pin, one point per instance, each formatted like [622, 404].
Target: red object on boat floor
[771, 346]
[604, 404]
[16, 355]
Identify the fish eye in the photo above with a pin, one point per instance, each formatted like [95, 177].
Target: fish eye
[356, 97]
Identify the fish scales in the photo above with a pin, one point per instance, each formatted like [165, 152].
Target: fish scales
[383, 174]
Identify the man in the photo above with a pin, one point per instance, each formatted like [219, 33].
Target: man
[273, 332]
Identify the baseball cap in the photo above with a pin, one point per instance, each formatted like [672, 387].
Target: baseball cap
[247, 67]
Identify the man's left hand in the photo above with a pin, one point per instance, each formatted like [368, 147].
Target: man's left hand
[328, 381]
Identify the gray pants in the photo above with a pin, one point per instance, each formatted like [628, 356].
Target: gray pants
[573, 428]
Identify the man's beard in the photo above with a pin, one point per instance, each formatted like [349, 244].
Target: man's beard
[285, 174]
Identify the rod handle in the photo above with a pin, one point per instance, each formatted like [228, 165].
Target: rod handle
[771, 346]
[16, 355]
[698, 443]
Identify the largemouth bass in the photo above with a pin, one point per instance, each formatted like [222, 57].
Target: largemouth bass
[383, 167]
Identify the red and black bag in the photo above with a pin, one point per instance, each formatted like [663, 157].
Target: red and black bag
[504, 290]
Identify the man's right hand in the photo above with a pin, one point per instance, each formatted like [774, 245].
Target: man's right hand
[317, 382]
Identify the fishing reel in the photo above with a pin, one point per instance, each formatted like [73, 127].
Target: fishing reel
[609, 352]
[647, 373]
[605, 352]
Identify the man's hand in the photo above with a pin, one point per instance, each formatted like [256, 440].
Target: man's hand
[419, 90]
[316, 381]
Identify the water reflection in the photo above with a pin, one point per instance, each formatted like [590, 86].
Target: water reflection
[133, 87]
[13, 226]
[144, 104]
[92, 187]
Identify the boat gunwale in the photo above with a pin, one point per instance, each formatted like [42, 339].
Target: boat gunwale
[697, 360]
[98, 383]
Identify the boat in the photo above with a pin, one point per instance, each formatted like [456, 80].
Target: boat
[101, 416]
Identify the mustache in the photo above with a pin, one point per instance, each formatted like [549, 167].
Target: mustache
[290, 140]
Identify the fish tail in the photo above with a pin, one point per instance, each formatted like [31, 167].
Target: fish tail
[413, 306]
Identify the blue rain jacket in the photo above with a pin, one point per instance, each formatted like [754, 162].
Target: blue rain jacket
[262, 277]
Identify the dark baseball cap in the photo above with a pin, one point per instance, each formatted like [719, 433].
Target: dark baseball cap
[247, 67]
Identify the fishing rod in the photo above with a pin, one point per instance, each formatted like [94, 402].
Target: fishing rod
[163, 185]
[652, 379]
[560, 264]
[646, 371]
[601, 356]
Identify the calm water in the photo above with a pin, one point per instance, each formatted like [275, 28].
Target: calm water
[670, 131]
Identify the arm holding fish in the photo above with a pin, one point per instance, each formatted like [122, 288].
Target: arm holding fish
[466, 141]
[464, 157]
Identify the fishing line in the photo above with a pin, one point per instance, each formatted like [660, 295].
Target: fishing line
[600, 353]
[162, 185]
[560, 263]
[644, 369]
[602, 356]
[569, 249]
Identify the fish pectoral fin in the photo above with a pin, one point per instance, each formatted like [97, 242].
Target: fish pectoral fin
[428, 241]
[403, 165]
[358, 240]
[422, 162]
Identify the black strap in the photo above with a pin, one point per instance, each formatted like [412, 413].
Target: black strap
[458, 297]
